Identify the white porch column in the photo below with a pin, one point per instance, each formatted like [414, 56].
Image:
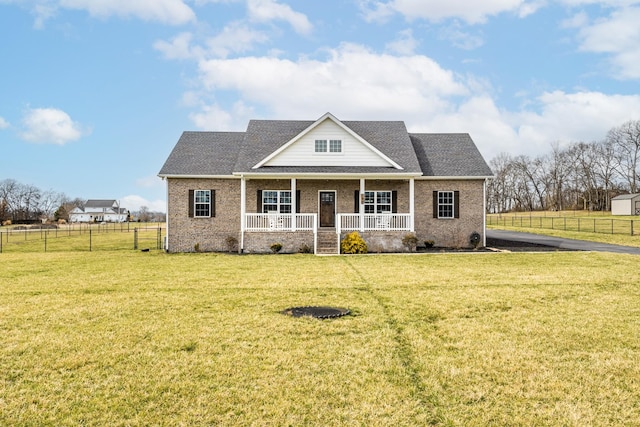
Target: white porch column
[293, 204]
[412, 204]
[484, 213]
[361, 204]
[243, 211]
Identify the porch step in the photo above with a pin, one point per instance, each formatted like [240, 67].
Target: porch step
[327, 243]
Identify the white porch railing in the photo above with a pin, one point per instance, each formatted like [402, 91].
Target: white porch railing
[279, 222]
[373, 222]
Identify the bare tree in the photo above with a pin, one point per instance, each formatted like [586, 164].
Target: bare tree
[626, 142]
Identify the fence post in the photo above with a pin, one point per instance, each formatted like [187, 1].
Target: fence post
[135, 238]
[1, 239]
[578, 225]
[630, 221]
[90, 241]
[45, 241]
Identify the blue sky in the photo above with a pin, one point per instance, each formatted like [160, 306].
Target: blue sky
[95, 93]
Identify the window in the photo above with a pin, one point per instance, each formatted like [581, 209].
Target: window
[377, 202]
[276, 201]
[202, 203]
[446, 204]
[333, 146]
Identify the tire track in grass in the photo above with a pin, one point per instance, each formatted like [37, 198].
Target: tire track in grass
[404, 351]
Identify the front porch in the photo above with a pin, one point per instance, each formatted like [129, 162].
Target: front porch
[274, 223]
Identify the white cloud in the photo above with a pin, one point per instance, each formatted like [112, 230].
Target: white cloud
[234, 38]
[351, 78]
[355, 83]
[134, 202]
[50, 125]
[3, 123]
[152, 181]
[436, 10]
[460, 38]
[619, 36]
[270, 10]
[405, 44]
[213, 117]
[173, 12]
[179, 47]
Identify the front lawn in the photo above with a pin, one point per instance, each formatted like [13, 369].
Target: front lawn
[130, 338]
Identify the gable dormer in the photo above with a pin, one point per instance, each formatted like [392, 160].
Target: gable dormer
[328, 142]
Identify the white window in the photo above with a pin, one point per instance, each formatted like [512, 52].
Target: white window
[321, 145]
[202, 203]
[331, 146]
[377, 202]
[276, 201]
[445, 204]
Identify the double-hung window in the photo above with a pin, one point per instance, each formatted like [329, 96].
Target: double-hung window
[377, 202]
[276, 201]
[446, 206]
[202, 203]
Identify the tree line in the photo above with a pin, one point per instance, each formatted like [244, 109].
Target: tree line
[26, 203]
[583, 175]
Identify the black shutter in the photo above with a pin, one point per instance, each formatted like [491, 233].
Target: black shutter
[190, 203]
[356, 202]
[435, 204]
[213, 203]
[259, 206]
[297, 201]
[456, 204]
[394, 201]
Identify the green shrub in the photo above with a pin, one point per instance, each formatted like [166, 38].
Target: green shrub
[410, 241]
[276, 247]
[353, 243]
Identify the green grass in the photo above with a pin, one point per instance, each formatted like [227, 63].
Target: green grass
[131, 338]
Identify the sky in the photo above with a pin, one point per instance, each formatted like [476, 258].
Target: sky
[94, 94]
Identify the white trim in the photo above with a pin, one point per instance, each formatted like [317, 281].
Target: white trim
[484, 213]
[294, 201]
[412, 205]
[452, 178]
[328, 176]
[361, 203]
[243, 211]
[327, 116]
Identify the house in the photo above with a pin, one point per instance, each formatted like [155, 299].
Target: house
[626, 204]
[306, 184]
[99, 211]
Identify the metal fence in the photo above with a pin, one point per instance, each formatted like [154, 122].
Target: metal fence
[630, 227]
[81, 237]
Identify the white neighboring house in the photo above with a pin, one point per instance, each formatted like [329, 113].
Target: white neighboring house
[99, 211]
[626, 204]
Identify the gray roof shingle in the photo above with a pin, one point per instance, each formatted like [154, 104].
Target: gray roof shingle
[449, 154]
[225, 153]
[204, 153]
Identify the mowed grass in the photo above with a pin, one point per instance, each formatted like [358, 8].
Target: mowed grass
[131, 338]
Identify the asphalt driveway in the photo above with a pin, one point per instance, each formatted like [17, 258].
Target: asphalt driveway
[503, 238]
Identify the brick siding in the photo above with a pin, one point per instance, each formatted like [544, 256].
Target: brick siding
[211, 234]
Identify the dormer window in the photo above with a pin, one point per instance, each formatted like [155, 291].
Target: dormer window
[331, 146]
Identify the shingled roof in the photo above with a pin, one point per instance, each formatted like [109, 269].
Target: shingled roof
[228, 153]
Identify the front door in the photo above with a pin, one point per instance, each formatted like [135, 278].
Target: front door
[327, 209]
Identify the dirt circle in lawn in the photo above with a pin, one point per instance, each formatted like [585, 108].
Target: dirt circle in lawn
[317, 312]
